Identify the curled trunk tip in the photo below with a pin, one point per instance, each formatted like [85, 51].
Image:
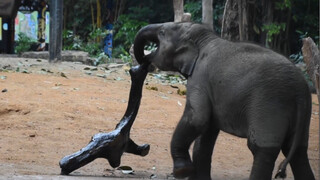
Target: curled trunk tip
[145, 35]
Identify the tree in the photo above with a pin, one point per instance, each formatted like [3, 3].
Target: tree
[270, 23]
[311, 56]
[230, 22]
[207, 12]
[178, 10]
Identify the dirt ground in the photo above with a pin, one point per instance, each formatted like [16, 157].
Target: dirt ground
[48, 111]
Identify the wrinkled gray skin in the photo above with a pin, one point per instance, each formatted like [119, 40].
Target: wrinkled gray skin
[239, 88]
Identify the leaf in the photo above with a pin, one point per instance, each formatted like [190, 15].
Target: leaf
[125, 169]
[63, 75]
[3, 77]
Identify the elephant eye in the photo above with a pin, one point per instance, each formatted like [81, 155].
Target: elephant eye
[161, 33]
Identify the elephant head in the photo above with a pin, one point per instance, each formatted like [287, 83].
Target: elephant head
[177, 45]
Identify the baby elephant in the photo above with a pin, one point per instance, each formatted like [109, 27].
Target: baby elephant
[239, 88]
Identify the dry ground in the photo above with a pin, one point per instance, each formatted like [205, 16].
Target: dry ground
[53, 110]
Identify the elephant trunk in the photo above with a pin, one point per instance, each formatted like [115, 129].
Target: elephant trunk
[146, 34]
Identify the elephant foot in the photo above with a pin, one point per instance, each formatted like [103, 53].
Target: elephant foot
[183, 168]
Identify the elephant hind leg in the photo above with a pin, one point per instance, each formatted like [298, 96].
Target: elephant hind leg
[194, 122]
[202, 154]
[263, 163]
[300, 163]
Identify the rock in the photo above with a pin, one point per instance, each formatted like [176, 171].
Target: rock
[182, 92]
[4, 90]
[72, 56]
[62, 74]
[101, 75]
[114, 65]
[103, 66]
[3, 77]
[152, 88]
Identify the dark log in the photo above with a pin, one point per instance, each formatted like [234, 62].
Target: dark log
[112, 145]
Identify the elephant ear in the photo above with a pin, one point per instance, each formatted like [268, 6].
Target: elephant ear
[186, 57]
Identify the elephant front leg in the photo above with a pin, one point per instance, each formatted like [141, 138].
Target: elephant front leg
[183, 136]
[194, 122]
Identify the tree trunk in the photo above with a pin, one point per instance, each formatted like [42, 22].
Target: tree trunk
[269, 18]
[119, 8]
[92, 15]
[99, 23]
[243, 20]
[178, 10]
[230, 24]
[207, 12]
[311, 57]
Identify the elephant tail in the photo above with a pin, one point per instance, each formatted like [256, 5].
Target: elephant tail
[303, 106]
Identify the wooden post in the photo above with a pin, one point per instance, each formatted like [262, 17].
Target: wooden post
[56, 21]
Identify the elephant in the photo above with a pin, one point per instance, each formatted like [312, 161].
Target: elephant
[237, 87]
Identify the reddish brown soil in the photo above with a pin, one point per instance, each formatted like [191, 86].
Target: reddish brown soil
[44, 116]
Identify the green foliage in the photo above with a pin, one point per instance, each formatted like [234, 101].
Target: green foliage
[24, 43]
[126, 31]
[102, 59]
[151, 11]
[195, 8]
[139, 14]
[91, 45]
[151, 46]
[122, 53]
[284, 4]
[218, 16]
[71, 41]
[273, 29]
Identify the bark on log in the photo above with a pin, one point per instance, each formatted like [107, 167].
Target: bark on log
[112, 145]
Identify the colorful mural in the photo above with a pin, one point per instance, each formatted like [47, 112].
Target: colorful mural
[28, 24]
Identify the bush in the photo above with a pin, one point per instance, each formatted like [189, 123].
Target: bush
[195, 8]
[92, 45]
[126, 29]
[24, 43]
